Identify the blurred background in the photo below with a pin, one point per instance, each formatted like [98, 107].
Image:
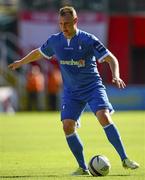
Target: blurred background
[26, 24]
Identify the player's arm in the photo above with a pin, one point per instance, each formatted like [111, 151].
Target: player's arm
[34, 55]
[114, 66]
[102, 54]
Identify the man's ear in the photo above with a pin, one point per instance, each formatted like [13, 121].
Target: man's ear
[75, 20]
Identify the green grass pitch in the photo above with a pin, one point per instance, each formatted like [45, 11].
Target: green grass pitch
[33, 146]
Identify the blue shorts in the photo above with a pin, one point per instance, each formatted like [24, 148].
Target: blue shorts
[72, 108]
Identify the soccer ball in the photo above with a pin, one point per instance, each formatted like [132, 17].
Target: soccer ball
[99, 165]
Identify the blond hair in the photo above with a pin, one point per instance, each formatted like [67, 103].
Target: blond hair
[68, 10]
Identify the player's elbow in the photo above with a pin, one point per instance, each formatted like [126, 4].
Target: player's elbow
[37, 53]
[111, 59]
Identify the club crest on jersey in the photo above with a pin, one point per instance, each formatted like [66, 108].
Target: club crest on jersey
[80, 47]
[79, 63]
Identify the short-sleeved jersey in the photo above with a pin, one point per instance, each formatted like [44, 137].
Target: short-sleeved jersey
[77, 58]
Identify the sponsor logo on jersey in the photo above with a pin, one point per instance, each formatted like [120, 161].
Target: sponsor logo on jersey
[79, 63]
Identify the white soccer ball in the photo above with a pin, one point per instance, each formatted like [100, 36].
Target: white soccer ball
[99, 165]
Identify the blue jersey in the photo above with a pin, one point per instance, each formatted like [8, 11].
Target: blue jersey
[77, 58]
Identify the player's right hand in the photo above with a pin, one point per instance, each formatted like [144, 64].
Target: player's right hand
[15, 65]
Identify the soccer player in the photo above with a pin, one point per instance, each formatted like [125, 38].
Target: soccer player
[77, 52]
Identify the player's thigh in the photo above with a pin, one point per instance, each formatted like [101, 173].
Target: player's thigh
[100, 101]
[71, 109]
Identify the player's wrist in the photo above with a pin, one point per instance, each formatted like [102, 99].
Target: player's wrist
[115, 78]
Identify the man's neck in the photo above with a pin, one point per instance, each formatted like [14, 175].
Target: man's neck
[72, 34]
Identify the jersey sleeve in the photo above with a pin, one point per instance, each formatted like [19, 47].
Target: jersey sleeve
[46, 49]
[100, 51]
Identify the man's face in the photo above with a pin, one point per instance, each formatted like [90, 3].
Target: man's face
[68, 25]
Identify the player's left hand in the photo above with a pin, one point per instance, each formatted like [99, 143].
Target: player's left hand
[119, 83]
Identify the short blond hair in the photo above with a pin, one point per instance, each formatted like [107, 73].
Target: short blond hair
[68, 10]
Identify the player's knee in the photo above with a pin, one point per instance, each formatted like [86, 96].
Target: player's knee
[68, 127]
[104, 117]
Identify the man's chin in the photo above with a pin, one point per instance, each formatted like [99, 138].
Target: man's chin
[66, 34]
